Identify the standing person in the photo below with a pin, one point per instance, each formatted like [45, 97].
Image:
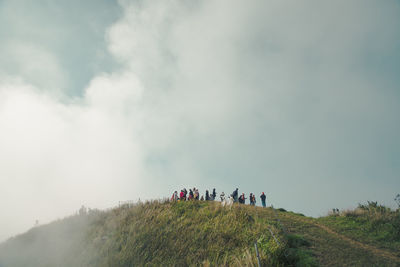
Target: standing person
[251, 198]
[263, 200]
[242, 199]
[207, 195]
[222, 196]
[214, 194]
[197, 194]
[191, 195]
[181, 195]
[174, 196]
[185, 192]
[235, 195]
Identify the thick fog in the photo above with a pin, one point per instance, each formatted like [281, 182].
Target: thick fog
[297, 99]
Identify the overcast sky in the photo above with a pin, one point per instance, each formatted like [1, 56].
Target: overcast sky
[102, 101]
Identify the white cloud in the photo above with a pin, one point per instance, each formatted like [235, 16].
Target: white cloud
[262, 96]
[35, 64]
[58, 156]
[243, 91]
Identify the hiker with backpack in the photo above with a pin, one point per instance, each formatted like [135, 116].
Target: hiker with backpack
[263, 200]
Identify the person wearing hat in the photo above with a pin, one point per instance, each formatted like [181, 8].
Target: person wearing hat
[263, 200]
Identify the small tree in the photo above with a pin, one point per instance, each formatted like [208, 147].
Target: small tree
[397, 199]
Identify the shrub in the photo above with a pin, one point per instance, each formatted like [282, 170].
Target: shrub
[371, 223]
[397, 199]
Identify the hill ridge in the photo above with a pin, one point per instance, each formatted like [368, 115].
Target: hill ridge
[375, 250]
[189, 233]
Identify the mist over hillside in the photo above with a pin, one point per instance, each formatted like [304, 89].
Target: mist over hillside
[204, 233]
[59, 243]
[102, 101]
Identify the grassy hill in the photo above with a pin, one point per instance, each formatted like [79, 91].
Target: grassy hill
[203, 233]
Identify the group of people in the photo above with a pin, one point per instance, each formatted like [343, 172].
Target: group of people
[193, 194]
[252, 198]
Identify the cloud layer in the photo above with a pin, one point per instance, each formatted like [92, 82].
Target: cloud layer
[297, 100]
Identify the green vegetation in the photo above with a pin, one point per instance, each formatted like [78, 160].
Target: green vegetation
[200, 233]
[188, 233]
[370, 223]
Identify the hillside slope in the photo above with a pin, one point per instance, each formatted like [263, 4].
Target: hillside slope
[190, 234]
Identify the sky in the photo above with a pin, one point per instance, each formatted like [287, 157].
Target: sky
[105, 101]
